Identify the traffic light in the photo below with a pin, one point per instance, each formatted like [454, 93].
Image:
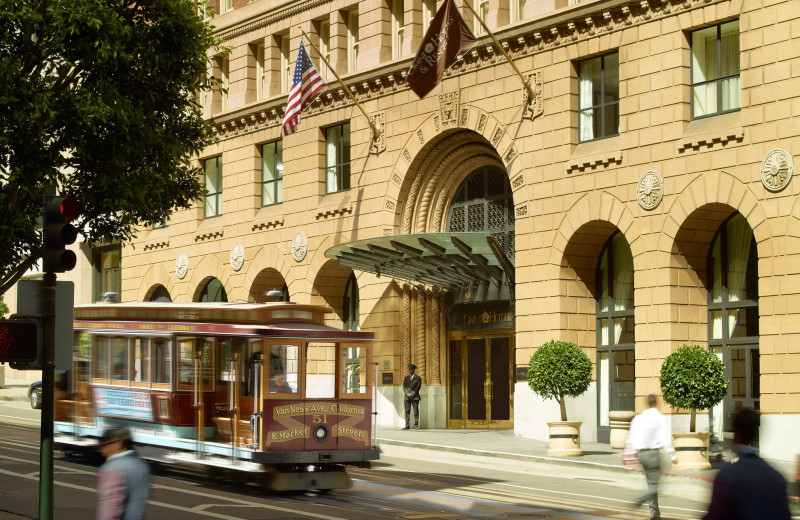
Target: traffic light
[18, 341]
[58, 233]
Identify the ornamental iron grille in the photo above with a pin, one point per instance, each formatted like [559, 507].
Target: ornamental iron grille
[484, 202]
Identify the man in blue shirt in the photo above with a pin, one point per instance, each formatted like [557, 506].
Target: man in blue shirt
[749, 488]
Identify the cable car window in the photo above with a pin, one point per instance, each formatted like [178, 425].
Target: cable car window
[283, 369]
[161, 361]
[119, 360]
[100, 357]
[141, 361]
[355, 370]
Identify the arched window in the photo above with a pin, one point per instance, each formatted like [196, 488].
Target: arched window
[484, 202]
[161, 294]
[615, 332]
[350, 315]
[213, 292]
[733, 316]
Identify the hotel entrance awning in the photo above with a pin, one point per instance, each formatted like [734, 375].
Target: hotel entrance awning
[444, 260]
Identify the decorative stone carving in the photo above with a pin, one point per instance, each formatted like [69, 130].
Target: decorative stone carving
[776, 169]
[650, 189]
[379, 144]
[299, 246]
[448, 109]
[237, 256]
[181, 265]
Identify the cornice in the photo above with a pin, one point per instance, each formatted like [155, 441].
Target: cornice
[519, 41]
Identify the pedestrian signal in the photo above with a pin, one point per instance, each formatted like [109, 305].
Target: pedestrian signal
[18, 341]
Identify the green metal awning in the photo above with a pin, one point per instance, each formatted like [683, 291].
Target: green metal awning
[444, 260]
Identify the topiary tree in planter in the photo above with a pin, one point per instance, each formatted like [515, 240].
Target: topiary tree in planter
[559, 369]
[693, 378]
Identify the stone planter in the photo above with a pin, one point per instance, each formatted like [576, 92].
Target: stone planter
[620, 421]
[565, 439]
[692, 450]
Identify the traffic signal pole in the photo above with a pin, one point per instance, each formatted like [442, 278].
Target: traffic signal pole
[48, 396]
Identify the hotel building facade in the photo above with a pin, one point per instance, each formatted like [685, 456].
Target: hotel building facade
[642, 198]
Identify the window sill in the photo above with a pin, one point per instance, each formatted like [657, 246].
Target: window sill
[592, 155]
[712, 131]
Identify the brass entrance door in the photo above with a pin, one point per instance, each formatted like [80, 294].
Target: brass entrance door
[480, 381]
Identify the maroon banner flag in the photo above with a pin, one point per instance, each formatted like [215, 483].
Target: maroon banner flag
[306, 84]
[445, 39]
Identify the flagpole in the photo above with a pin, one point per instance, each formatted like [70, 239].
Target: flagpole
[525, 82]
[375, 130]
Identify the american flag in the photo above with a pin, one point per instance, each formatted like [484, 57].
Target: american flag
[306, 84]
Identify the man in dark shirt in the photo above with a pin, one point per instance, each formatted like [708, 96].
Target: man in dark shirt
[748, 489]
[411, 385]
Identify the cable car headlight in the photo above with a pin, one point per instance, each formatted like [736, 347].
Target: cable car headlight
[320, 433]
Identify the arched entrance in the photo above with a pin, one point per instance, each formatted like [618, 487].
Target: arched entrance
[480, 320]
[452, 256]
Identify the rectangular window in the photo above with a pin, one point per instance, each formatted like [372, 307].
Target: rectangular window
[398, 27]
[482, 8]
[352, 41]
[325, 47]
[227, 5]
[598, 97]
[428, 12]
[286, 66]
[272, 173]
[517, 10]
[213, 169]
[108, 276]
[337, 158]
[715, 70]
[162, 224]
[261, 72]
[220, 95]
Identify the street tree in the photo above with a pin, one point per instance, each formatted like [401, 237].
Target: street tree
[98, 101]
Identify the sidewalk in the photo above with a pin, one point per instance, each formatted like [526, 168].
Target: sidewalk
[504, 444]
[15, 390]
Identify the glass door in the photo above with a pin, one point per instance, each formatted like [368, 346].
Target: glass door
[480, 381]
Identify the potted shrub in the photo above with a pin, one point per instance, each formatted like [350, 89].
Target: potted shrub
[560, 369]
[693, 378]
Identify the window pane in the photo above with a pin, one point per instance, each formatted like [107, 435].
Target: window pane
[355, 370]
[100, 357]
[283, 369]
[704, 55]
[141, 361]
[730, 48]
[743, 322]
[716, 324]
[119, 358]
[611, 120]
[611, 77]
[704, 99]
[161, 361]
[623, 330]
[730, 94]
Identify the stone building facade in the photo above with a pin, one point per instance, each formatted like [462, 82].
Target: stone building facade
[644, 197]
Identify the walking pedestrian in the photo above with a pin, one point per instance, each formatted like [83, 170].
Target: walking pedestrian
[748, 489]
[411, 386]
[648, 436]
[123, 481]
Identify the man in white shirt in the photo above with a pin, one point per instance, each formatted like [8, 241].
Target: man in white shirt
[649, 434]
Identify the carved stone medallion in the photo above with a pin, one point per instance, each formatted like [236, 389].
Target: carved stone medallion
[181, 265]
[237, 256]
[776, 169]
[299, 246]
[650, 189]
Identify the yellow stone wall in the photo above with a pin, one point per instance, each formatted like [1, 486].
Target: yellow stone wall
[569, 196]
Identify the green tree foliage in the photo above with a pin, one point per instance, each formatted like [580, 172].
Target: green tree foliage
[693, 378]
[98, 100]
[559, 369]
[3, 307]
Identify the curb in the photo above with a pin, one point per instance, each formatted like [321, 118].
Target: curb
[536, 458]
[13, 398]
